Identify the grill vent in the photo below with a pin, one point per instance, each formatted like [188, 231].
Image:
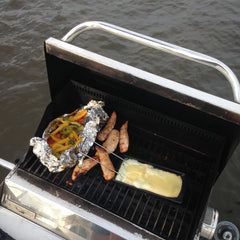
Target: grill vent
[91, 93]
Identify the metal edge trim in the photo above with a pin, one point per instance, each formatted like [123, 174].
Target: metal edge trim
[81, 207]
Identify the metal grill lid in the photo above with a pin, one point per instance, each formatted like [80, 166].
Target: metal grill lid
[220, 116]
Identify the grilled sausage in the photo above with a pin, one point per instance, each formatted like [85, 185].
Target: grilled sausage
[112, 141]
[124, 138]
[105, 159]
[86, 166]
[108, 128]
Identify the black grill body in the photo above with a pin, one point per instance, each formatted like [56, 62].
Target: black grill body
[165, 130]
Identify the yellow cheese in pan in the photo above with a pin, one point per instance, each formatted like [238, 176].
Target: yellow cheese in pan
[147, 177]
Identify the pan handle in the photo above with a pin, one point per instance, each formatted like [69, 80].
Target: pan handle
[159, 45]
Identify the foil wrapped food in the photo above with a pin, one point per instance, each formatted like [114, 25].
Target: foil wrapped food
[95, 118]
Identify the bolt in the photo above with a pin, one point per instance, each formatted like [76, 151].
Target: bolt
[227, 235]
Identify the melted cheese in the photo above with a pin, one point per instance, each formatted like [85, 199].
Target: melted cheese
[147, 177]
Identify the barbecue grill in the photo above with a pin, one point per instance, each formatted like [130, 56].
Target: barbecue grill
[171, 126]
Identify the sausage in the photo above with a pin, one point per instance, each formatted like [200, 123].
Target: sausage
[124, 138]
[108, 128]
[105, 159]
[112, 141]
[86, 166]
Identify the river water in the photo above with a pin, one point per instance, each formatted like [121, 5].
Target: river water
[211, 27]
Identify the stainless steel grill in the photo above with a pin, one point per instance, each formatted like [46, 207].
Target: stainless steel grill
[171, 126]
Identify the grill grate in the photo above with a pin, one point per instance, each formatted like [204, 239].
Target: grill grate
[163, 217]
[155, 214]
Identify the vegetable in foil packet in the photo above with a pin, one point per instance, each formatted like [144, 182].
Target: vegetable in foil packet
[68, 138]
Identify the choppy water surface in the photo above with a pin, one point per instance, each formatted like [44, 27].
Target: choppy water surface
[210, 27]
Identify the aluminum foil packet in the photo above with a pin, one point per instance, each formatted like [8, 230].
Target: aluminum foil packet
[92, 122]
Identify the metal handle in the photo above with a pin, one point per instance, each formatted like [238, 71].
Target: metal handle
[6, 164]
[159, 45]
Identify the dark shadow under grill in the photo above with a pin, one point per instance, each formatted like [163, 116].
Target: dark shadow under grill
[155, 139]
